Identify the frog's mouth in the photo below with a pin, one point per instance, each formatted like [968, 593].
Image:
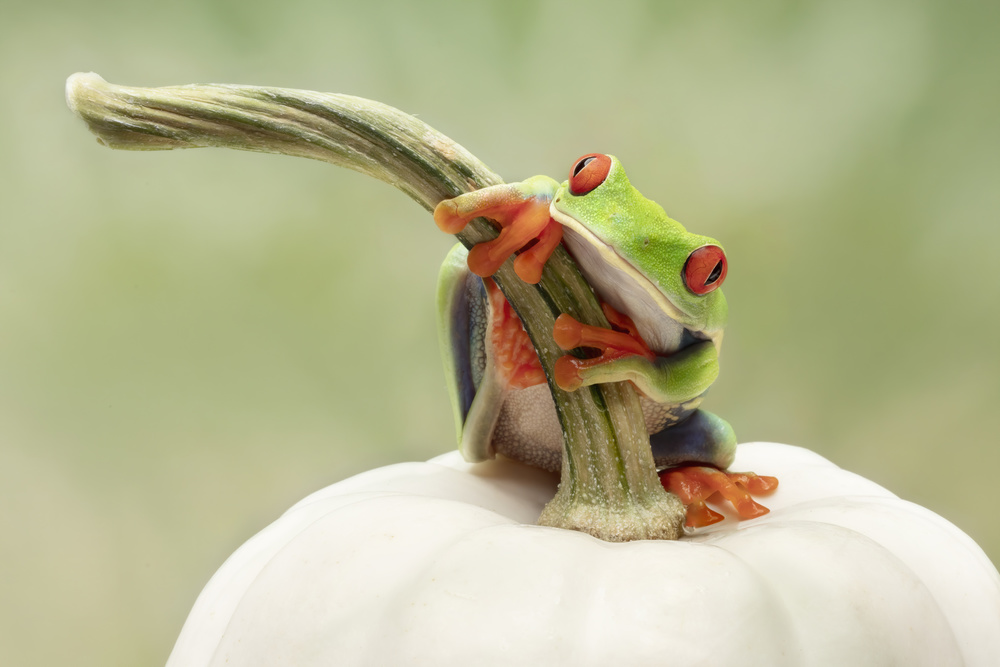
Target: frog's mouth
[664, 326]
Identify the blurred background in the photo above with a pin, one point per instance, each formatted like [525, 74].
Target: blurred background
[192, 341]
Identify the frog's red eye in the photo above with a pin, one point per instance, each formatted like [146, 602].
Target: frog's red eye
[705, 269]
[588, 172]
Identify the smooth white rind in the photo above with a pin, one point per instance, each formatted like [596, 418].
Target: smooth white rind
[437, 563]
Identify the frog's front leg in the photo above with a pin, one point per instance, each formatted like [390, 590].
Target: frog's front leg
[679, 377]
[522, 210]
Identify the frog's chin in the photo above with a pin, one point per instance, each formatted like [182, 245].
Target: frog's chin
[625, 289]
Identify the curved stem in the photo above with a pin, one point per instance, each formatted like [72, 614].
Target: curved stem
[609, 486]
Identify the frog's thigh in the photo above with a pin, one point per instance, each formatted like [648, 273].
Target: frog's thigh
[462, 324]
[701, 438]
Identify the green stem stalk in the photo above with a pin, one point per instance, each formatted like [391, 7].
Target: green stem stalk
[609, 487]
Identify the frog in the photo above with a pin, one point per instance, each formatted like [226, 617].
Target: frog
[660, 289]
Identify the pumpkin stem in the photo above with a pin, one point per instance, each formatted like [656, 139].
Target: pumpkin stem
[609, 484]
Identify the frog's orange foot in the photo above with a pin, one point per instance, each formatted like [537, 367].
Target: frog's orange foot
[694, 485]
[525, 228]
[623, 341]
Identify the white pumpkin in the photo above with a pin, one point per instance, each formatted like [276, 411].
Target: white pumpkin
[438, 563]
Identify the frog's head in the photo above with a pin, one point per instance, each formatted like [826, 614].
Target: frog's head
[639, 260]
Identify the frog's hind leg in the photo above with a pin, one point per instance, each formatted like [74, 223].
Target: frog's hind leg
[706, 445]
[702, 437]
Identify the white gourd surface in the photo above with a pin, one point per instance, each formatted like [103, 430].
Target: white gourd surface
[438, 563]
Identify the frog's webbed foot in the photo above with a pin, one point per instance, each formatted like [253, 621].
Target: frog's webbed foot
[696, 484]
[522, 210]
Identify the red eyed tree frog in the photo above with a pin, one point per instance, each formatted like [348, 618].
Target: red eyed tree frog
[659, 287]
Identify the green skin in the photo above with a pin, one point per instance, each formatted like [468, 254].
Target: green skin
[633, 255]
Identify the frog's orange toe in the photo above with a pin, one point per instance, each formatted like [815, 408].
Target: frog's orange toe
[567, 373]
[758, 485]
[528, 268]
[700, 515]
[484, 260]
[447, 217]
[567, 332]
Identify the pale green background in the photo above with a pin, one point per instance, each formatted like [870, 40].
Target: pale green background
[192, 341]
